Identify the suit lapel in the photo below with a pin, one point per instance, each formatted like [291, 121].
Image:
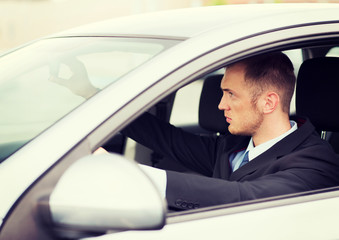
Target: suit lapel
[255, 164]
[282, 148]
[223, 168]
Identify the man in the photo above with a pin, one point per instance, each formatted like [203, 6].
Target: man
[266, 155]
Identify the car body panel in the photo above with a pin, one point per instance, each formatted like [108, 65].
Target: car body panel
[265, 224]
[187, 23]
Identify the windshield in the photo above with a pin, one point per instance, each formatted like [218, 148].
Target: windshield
[41, 83]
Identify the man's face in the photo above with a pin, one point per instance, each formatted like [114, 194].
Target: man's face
[241, 113]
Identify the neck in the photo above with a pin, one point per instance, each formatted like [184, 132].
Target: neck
[272, 126]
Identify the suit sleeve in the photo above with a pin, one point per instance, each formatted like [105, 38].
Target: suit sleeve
[305, 170]
[314, 165]
[195, 152]
[185, 191]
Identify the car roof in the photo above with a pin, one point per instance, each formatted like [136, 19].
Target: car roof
[189, 22]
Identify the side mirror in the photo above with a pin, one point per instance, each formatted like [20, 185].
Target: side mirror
[104, 192]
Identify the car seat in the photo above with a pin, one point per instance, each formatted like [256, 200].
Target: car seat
[316, 91]
[210, 117]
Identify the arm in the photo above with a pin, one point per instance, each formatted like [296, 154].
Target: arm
[195, 152]
[185, 191]
[308, 168]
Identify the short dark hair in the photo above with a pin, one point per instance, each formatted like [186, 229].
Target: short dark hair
[272, 70]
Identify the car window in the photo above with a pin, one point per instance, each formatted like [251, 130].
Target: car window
[41, 83]
[186, 105]
[296, 57]
[333, 52]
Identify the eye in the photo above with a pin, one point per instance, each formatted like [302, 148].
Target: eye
[230, 94]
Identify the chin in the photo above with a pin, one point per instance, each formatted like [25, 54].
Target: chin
[238, 132]
[232, 130]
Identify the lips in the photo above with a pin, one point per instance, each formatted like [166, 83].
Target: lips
[228, 119]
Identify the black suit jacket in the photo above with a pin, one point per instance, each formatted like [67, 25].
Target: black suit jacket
[299, 162]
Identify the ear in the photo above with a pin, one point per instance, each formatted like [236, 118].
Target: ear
[271, 101]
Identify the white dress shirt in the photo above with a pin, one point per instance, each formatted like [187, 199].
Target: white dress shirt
[255, 151]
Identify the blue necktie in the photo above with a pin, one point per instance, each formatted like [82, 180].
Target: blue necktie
[244, 160]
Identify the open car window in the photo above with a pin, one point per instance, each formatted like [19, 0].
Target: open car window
[182, 110]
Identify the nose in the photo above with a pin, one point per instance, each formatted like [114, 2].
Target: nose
[223, 105]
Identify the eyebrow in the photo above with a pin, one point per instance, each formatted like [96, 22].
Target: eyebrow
[226, 90]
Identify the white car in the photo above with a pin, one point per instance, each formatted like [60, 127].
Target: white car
[52, 185]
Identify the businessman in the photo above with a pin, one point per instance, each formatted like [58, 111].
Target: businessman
[267, 153]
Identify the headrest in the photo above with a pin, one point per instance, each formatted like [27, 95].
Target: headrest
[317, 92]
[210, 117]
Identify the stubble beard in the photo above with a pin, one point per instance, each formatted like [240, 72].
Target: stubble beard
[248, 127]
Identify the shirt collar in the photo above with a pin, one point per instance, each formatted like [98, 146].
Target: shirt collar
[256, 151]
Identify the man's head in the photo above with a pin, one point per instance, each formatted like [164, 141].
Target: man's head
[255, 87]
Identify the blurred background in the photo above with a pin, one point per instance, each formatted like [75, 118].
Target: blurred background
[25, 20]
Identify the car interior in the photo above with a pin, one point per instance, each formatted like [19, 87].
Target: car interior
[314, 98]
[211, 121]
